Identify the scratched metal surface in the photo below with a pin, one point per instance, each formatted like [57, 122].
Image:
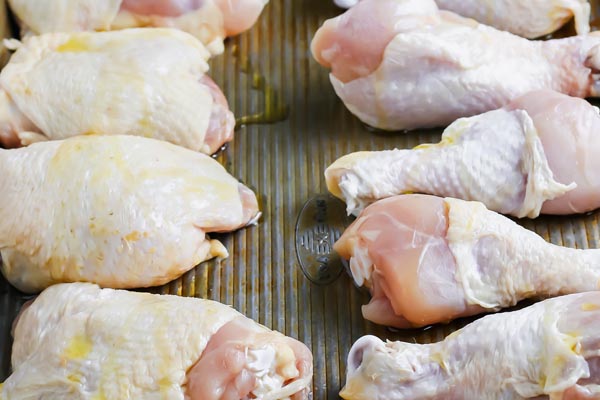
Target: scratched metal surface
[268, 74]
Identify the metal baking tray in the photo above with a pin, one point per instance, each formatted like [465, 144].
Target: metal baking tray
[291, 126]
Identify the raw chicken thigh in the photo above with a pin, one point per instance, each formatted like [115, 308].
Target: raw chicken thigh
[546, 351]
[426, 260]
[144, 82]
[211, 21]
[77, 341]
[538, 154]
[120, 211]
[402, 64]
[530, 19]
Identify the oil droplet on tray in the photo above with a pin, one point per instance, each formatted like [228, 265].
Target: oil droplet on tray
[274, 108]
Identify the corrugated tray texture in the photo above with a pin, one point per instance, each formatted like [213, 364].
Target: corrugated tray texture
[268, 73]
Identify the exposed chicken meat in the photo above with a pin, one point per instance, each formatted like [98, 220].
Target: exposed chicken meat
[236, 15]
[428, 260]
[211, 21]
[538, 154]
[413, 69]
[168, 8]
[353, 44]
[246, 361]
[145, 82]
[221, 122]
[80, 341]
[546, 351]
[120, 211]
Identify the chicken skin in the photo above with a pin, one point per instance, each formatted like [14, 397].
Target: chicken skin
[77, 341]
[427, 260]
[119, 211]
[144, 82]
[211, 21]
[538, 154]
[530, 19]
[546, 351]
[402, 64]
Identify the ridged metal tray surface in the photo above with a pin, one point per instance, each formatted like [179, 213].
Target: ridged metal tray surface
[268, 75]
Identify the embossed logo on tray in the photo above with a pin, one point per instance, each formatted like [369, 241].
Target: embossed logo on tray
[320, 224]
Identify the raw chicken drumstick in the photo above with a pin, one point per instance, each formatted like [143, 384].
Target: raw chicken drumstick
[120, 211]
[211, 21]
[538, 154]
[549, 350]
[402, 64]
[530, 19]
[144, 82]
[77, 341]
[426, 260]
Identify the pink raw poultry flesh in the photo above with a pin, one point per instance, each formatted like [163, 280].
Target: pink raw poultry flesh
[413, 70]
[427, 260]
